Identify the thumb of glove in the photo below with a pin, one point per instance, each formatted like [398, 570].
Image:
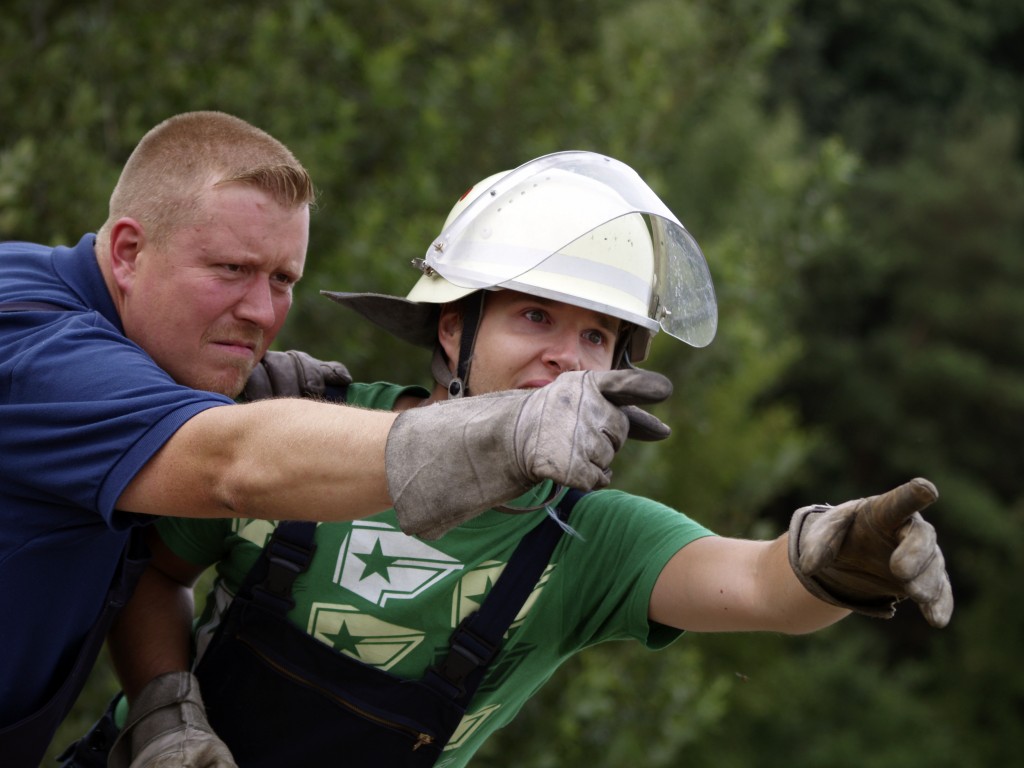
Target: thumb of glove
[631, 387]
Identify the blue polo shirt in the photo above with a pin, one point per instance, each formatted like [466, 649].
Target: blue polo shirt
[82, 409]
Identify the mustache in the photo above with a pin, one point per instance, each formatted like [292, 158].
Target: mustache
[247, 336]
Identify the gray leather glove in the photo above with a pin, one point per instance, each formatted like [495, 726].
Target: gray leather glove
[630, 391]
[294, 374]
[167, 728]
[868, 554]
[450, 461]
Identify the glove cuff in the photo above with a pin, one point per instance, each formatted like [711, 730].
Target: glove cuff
[448, 462]
[168, 702]
[829, 584]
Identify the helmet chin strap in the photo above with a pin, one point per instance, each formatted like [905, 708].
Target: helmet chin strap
[621, 357]
[443, 376]
[458, 385]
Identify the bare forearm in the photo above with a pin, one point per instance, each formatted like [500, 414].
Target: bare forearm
[275, 459]
[151, 635]
[717, 584]
[796, 610]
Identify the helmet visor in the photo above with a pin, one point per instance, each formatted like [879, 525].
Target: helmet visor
[531, 213]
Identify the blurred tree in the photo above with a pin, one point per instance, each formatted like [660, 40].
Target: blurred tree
[892, 75]
[911, 363]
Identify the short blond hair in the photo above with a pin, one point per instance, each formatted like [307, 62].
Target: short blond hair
[162, 182]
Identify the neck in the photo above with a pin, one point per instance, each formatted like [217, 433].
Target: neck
[102, 255]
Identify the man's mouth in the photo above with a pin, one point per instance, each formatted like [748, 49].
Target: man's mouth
[237, 346]
[535, 383]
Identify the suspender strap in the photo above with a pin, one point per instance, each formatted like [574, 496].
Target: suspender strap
[476, 641]
[286, 555]
[473, 644]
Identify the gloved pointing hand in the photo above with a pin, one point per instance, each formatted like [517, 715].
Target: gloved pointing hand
[868, 554]
[167, 728]
[450, 461]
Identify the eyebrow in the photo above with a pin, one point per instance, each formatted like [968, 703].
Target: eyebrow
[609, 323]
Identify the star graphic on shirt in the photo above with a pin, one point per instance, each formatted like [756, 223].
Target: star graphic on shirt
[380, 563]
[480, 593]
[344, 641]
[362, 636]
[376, 562]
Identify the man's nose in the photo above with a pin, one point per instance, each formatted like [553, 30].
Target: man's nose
[564, 353]
[257, 305]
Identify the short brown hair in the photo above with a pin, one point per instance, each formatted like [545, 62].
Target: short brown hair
[162, 181]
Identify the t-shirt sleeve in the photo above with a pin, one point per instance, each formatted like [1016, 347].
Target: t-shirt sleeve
[200, 541]
[625, 541]
[86, 410]
[381, 396]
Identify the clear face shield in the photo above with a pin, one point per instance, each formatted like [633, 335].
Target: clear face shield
[490, 242]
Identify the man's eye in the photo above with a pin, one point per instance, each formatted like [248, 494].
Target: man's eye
[596, 338]
[534, 315]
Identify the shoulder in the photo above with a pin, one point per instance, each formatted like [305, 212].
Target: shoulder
[624, 520]
[21, 248]
[68, 277]
[612, 501]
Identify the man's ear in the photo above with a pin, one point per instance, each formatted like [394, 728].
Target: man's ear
[449, 329]
[127, 239]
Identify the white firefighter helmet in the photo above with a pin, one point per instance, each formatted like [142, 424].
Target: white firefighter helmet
[575, 227]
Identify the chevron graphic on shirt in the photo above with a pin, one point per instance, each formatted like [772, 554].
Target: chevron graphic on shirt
[505, 666]
[256, 531]
[379, 563]
[475, 586]
[366, 638]
[469, 725]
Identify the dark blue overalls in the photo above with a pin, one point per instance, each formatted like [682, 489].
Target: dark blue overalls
[278, 696]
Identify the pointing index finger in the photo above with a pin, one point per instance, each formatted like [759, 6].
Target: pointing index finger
[633, 386]
[891, 509]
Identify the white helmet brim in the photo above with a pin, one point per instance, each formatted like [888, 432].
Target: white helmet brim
[528, 217]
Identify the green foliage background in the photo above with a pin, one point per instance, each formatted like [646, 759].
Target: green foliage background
[854, 174]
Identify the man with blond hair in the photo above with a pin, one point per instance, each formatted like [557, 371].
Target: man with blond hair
[117, 357]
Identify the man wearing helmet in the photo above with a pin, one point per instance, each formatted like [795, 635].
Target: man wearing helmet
[568, 263]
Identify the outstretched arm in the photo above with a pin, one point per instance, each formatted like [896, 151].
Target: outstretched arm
[293, 458]
[864, 555]
[717, 584]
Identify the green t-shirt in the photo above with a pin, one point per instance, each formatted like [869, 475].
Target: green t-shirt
[392, 600]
